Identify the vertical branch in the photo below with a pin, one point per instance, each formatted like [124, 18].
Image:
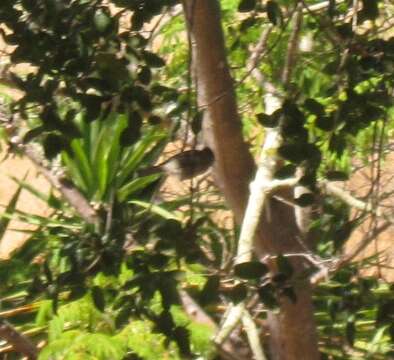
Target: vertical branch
[234, 168]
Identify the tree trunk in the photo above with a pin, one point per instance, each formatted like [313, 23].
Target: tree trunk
[293, 331]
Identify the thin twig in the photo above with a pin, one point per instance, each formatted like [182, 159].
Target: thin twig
[349, 199]
[292, 47]
[347, 258]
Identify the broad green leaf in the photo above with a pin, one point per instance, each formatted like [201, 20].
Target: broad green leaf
[284, 266]
[75, 172]
[250, 270]
[274, 12]
[133, 157]
[267, 296]
[246, 5]
[83, 166]
[98, 298]
[137, 184]
[238, 293]
[156, 209]
[306, 199]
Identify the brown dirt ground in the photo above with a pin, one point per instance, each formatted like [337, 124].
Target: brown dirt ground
[19, 168]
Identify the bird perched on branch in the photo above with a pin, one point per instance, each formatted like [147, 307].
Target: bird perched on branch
[184, 165]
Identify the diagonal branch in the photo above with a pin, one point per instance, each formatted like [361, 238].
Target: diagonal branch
[19, 342]
[347, 258]
[352, 201]
[253, 336]
[70, 193]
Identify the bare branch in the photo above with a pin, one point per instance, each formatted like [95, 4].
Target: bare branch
[66, 188]
[71, 194]
[354, 202]
[292, 47]
[253, 336]
[347, 258]
[231, 320]
[19, 342]
[195, 311]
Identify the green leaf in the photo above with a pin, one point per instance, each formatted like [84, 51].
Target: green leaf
[289, 292]
[314, 107]
[129, 136]
[250, 270]
[246, 5]
[142, 97]
[167, 285]
[210, 291]
[325, 123]
[147, 149]
[53, 145]
[155, 120]
[152, 60]
[82, 164]
[285, 171]
[137, 21]
[48, 199]
[74, 172]
[135, 185]
[343, 233]
[156, 209]
[337, 143]
[267, 296]
[144, 75]
[274, 13]
[238, 293]
[101, 20]
[293, 152]
[98, 298]
[10, 208]
[335, 175]
[350, 332]
[197, 122]
[284, 266]
[32, 134]
[182, 338]
[370, 10]
[268, 120]
[247, 23]
[306, 199]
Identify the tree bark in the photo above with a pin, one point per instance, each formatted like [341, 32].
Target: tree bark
[293, 330]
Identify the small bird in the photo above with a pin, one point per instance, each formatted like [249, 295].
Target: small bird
[184, 165]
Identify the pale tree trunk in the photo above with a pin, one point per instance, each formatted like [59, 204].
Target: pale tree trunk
[293, 331]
